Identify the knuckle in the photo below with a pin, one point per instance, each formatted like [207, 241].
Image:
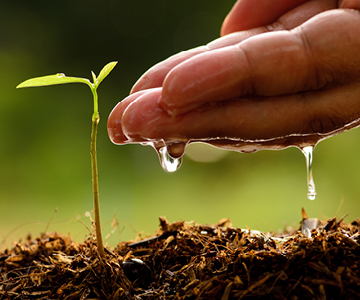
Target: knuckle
[325, 123]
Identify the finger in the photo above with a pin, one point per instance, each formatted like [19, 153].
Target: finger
[247, 14]
[155, 76]
[269, 64]
[114, 123]
[279, 121]
[352, 4]
[146, 114]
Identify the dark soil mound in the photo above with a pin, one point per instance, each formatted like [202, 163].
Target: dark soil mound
[188, 261]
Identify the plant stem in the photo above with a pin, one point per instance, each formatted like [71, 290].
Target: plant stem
[95, 122]
[61, 79]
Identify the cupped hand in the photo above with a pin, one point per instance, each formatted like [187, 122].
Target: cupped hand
[293, 70]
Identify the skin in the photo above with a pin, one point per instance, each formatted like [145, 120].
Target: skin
[279, 72]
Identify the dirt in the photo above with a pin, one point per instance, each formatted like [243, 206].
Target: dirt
[320, 260]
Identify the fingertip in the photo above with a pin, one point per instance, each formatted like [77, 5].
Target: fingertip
[150, 79]
[231, 21]
[154, 77]
[224, 30]
[350, 4]
[139, 117]
[249, 14]
[114, 124]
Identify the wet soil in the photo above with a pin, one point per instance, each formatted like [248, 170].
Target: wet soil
[320, 260]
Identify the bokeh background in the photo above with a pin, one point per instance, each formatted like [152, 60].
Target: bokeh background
[45, 132]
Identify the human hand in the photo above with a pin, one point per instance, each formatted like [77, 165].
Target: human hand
[269, 83]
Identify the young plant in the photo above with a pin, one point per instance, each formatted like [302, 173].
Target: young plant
[62, 79]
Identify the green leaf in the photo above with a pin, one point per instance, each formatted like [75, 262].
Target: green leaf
[105, 71]
[94, 77]
[52, 80]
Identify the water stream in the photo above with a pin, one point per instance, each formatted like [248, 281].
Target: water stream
[308, 152]
[171, 151]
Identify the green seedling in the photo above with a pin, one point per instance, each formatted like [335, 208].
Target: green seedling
[62, 79]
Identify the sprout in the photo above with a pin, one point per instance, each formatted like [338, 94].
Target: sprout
[60, 78]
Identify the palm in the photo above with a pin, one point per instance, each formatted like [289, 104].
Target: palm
[303, 81]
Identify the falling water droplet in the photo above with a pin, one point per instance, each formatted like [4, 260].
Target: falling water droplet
[176, 149]
[308, 152]
[168, 163]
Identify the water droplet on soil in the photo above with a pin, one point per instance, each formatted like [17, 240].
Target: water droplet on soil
[308, 152]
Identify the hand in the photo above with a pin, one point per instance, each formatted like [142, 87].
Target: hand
[286, 75]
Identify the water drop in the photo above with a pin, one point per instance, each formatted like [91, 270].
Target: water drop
[308, 152]
[168, 163]
[176, 149]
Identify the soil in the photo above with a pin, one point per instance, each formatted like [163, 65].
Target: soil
[320, 260]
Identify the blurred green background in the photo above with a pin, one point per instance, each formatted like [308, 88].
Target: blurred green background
[45, 132]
